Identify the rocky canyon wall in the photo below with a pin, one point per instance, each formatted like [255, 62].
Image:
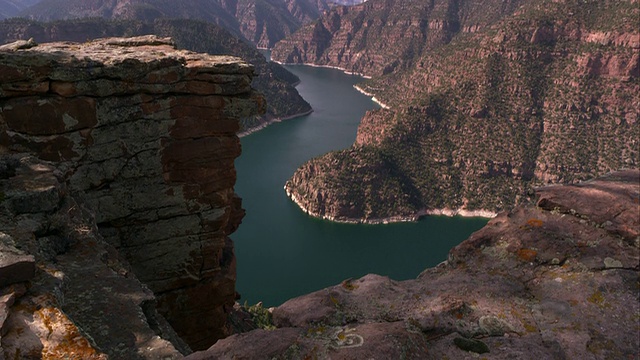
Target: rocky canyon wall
[145, 138]
[545, 94]
[556, 278]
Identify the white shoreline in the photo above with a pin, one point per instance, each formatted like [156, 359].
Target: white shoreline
[271, 121]
[324, 66]
[396, 219]
[373, 98]
[275, 120]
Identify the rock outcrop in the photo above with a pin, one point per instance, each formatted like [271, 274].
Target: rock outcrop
[145, 136]
[65, 293]
[272, 80]
[556, 278]
[536, 97]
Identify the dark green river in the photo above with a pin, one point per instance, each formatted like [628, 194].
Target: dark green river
[282, 252]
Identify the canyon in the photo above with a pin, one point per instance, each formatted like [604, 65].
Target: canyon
[553, 279]
[262, 23]
[116, 184]
[479, 106]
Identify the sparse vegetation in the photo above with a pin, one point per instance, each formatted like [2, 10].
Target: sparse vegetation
[261, 317]
[477, 121]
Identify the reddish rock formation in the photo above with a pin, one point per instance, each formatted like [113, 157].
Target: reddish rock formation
[146, 137]
[557, 280]
[379, 37]
[543, 92]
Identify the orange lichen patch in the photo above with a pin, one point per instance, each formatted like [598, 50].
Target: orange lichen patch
[316, 330]
[64, 340]
[527, 255]
[530, 328]
[534, 222]
[349, 285]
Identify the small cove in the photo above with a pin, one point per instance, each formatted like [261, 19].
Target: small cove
[282, 252]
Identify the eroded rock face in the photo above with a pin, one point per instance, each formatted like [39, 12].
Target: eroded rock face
[71, 295]
[535, 96]
[557, 280]
[147, 134]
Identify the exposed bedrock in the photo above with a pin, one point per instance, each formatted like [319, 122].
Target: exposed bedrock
[146, 136]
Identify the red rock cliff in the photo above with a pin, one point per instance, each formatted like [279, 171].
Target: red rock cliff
[148, 137]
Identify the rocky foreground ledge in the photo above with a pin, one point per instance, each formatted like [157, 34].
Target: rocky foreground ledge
[116, 198]
[557, 279]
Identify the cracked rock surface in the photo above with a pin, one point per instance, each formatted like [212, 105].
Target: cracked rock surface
[73, 296]
[145, 136]
[554, 279]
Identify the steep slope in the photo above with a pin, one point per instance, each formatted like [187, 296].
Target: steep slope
[262, 22]
[556, 278]
[66, 292]
[145, 136]
[265, 22]
[283, 100]
[381, 36]
[547, 95]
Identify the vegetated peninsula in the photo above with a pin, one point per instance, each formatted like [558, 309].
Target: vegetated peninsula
[275, 82]
[542, 92]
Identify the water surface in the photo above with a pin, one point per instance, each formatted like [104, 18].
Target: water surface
[282, 252]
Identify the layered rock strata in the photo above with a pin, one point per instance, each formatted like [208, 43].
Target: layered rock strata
[273, 81]
[147, 134]
[65, 293]
[556, 278]
[537, 96]
[379, 37]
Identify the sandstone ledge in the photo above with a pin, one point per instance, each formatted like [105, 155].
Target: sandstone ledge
[556, 279]
[117, 66]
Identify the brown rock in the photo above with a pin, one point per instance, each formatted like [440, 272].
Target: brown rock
[610, 202]
[82, 302]
[15, 265]
[148, 134]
